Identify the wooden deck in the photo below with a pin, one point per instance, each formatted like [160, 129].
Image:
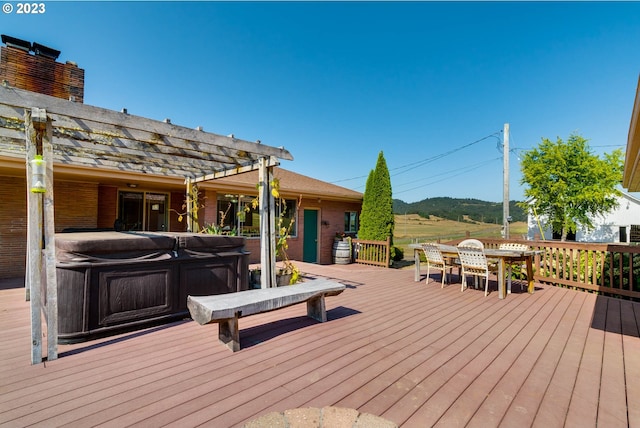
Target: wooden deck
[414, 354]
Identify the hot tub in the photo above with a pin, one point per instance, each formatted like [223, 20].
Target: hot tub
[110, 282]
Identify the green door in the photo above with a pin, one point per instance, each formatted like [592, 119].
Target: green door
[310, 242]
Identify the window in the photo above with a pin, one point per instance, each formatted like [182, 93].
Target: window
[634, 236]
[142, 211]
[288, 212]
[622, 234]
[351, 222]
[236, 215]
[226, 217]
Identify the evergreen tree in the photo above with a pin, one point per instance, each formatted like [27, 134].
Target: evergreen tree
[368, 205]
[376, 219]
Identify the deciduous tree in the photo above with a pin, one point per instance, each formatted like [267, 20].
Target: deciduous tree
[569, 184]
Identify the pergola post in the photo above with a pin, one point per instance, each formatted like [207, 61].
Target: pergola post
[267, 225]
[189, 204]
[41, 268]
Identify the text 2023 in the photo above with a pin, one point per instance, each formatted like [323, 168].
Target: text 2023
[30, 8]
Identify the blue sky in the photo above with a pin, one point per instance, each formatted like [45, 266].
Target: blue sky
[431, 84]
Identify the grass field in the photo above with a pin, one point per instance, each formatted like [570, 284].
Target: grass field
[412, 228]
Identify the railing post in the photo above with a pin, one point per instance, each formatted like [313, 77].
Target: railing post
[388, 252]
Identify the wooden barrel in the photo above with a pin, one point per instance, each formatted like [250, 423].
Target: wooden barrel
[341, 252]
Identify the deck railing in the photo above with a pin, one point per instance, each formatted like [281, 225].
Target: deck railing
[611, 269]
[372, 252]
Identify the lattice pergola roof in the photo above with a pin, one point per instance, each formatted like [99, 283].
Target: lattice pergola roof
[93, 137]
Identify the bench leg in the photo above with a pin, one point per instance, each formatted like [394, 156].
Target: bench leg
[229, 334]
[316, 309]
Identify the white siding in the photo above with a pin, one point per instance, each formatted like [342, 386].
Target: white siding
[607, 228]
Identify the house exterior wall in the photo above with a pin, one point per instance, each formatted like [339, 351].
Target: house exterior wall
[76, 205]
[107, 206]
[13, 234]
[331, 219]
[92, 205]
[209, 203]
[607, 228]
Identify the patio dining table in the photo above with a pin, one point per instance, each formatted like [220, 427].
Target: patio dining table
[503, 257]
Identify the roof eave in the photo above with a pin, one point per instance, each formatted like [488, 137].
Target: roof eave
[631, 174]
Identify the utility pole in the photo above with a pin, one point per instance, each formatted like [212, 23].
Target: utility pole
[505, 183]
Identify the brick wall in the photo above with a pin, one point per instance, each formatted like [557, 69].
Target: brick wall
[13, 218]
[107, 206]
[76, 205]
[40, 74]
[332, 222]
[209, 207]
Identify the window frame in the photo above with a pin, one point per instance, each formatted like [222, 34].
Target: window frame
[350, 222]
[236, 218]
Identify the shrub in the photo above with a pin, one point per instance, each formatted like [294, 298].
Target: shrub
[397, 254]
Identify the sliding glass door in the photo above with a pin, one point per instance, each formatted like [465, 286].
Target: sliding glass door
[143, 211]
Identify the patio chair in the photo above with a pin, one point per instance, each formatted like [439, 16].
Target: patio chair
[513, 246]
[435, 260]
[471, 243]
[466, 243]
[473, 262]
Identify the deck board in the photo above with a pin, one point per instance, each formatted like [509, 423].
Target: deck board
[546, 352]
[555, 402]
[612, 412]
[583, 407]
[631, 349]
[410, 352]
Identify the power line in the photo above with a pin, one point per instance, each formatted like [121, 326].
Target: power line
[449, 172]
[466, 170]
[413, 165]
[418, 164]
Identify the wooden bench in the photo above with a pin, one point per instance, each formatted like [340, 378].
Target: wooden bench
[225, 309]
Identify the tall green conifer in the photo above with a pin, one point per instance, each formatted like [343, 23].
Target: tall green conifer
[376, 220]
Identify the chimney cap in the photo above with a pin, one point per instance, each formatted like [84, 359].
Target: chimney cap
[13, 42]
[45, 51]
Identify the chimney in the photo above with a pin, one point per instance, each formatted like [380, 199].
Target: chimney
[39, 72]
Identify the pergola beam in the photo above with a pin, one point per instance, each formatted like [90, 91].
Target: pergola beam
[268, 162]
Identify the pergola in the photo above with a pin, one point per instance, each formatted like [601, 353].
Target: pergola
[83, 137]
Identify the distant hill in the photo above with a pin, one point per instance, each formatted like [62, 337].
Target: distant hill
[459, 209]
